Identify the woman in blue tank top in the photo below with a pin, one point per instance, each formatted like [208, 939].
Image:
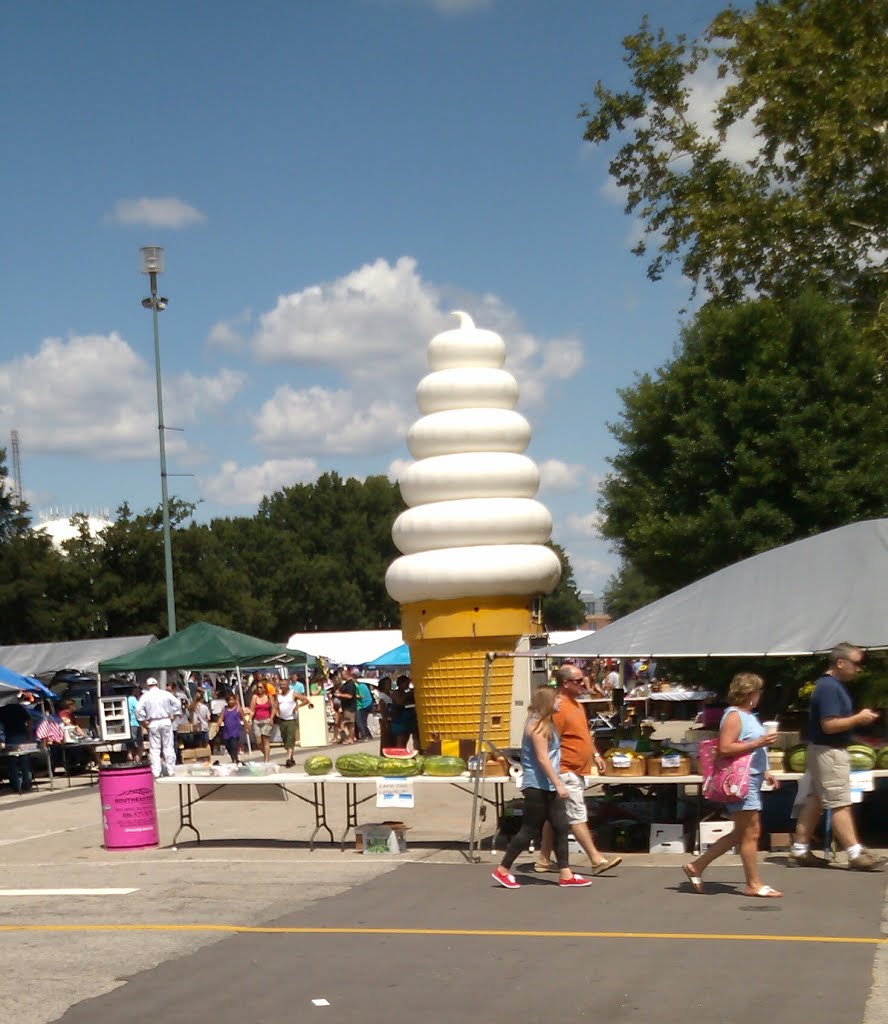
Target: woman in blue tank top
[742, 733]
[543, 792]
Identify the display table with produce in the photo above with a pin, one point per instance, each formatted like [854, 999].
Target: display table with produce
[196, 783]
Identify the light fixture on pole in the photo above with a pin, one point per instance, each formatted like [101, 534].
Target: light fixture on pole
[151, 257]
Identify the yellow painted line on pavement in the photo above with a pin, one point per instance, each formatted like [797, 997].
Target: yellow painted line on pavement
[445, 932]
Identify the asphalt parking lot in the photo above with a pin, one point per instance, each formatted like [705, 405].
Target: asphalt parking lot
[256, 928]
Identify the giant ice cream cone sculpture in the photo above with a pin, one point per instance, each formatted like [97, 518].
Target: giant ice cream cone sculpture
[473, 537]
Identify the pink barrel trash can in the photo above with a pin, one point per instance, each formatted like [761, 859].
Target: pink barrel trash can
[129, 811]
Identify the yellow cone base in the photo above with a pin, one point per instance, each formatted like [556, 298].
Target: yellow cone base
[448, 642]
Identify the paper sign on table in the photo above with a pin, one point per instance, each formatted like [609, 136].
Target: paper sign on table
[397, 793]
[862, 782]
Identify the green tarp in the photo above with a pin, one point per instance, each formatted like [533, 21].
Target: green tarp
[204, 646]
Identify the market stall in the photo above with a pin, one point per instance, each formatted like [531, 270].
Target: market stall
[309, 789]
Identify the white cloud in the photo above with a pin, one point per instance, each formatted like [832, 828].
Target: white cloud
[396, 468]
[369, 323]
[591, 573]
[229, 334]
[247, 485]
[556, 475]
[161, 212]
[93, 395]
[705, 90]
[587, 525]
[370, 328]
[318, 419]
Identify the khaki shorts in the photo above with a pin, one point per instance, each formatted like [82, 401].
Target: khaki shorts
[830, 771]
[348, 717]
[264, 727]
[575, 801]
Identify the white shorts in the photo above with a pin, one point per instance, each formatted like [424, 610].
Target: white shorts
[575, 801]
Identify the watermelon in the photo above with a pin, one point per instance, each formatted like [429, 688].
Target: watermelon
[441, 765]
[796, 758]
[882, 759]
[318, 764]
[398, 766]
[863, 758]
[401, 752]
[357, 765]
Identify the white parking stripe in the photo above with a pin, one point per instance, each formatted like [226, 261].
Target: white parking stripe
[66, 892]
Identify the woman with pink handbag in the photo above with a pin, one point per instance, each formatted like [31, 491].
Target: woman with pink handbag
[740, 769]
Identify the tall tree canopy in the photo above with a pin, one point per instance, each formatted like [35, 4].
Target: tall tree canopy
[810, 205]
[313, 557]
[770, 424]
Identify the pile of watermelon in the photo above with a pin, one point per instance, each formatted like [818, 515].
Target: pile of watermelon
[359, 766]
[863, 758]
[396, 764]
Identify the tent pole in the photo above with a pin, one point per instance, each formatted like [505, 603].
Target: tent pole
[479, 759]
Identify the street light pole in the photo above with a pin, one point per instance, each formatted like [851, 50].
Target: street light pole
[152, 265]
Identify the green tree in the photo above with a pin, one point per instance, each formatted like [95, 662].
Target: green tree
[627, 590]
[563, 608]
[811, 206]
[29, 574]
[768, 426]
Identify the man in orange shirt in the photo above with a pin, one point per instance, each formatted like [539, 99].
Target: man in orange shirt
[577, 753]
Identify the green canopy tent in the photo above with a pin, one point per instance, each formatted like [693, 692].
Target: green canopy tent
[204, 646]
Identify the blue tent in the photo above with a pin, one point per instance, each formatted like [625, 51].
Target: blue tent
[26, 683]
[395, 658]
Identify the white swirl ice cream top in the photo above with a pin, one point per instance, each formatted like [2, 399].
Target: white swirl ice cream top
[472, 528]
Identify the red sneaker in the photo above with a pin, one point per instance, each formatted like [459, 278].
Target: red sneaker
[574, 880]
[506, 880]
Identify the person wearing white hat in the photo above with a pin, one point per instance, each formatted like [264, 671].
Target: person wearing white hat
[157, 708]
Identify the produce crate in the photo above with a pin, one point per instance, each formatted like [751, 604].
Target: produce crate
[655, 766]
[635, 768]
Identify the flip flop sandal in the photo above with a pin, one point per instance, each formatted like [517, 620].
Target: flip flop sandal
[766, 893]
[695, 880]
[543, 868]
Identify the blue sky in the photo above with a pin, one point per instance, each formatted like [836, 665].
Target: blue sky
[328, 179]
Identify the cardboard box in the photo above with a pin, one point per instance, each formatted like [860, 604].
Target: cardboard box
[195, 753]
[666, 838]
[712, 831]
[375, 839]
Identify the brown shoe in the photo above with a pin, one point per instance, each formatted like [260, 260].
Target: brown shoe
[866, 861]
[807, 860]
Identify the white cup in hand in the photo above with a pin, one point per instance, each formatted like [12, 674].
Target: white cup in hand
[770, 727]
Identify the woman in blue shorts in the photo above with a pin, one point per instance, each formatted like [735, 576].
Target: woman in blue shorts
[742, 733]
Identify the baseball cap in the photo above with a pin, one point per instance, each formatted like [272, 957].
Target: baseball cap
[151, 681]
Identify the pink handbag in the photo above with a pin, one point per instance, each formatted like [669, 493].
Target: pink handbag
[725, 779]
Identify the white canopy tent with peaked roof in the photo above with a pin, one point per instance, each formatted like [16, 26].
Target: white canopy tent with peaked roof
[799, 599]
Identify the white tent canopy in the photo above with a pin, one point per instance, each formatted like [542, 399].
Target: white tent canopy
[353, 647]
[799, 599]
[44, 660]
